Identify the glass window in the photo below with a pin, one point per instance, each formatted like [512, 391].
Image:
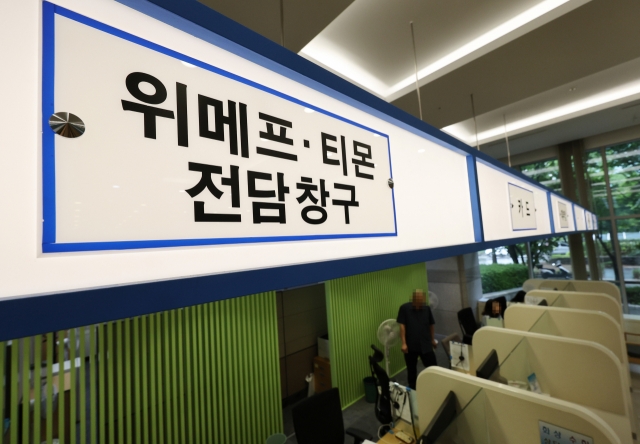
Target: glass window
[607, 252]
[503, 269]
[624, 176]
[551, 258]
[545, 172]
[629, 239]
[595, 175]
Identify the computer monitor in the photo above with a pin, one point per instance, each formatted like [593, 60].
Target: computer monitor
[443, 417]
[488, 366]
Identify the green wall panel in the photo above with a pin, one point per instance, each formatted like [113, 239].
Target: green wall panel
[204, 374]
[356, 306]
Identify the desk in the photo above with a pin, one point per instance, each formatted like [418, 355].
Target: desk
[389, 438]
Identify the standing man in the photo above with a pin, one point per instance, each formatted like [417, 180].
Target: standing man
[417, 333]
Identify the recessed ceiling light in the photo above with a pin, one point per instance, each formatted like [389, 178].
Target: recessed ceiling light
[116, 186]
[308, 110]
[421, 150]
[187, 64]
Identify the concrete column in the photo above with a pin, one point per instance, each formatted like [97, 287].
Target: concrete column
[456, 281]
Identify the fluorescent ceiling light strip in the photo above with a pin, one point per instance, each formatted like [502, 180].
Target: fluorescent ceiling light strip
[521, 125]
[496, 33]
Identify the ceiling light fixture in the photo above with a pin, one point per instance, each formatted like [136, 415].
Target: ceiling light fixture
[322, 50]
[465, 50]
[596, 102]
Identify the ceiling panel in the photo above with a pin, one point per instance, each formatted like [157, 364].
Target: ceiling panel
[303, 19]
[597, 36]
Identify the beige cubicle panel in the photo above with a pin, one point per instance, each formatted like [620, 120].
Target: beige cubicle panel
[572, 285]
[573, 370]
[631, 325]
[582, 300]
[502, 414]
[589, 325]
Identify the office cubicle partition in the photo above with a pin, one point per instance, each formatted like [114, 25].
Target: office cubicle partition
[571, 323]
[573, 370]
[490, 412]
[582, 300]
[572, 285]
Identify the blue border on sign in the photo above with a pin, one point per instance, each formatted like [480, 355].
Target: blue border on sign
[49, 244]
[575, 225]
[36, 314]
[553, 225]
[48, 141]
[474, 191]
[534, 203]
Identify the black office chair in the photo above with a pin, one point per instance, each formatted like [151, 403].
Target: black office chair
[519, 297]
[318, 420]
[468, 325]
[383, 397]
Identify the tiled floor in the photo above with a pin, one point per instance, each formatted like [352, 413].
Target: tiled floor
[361, 415]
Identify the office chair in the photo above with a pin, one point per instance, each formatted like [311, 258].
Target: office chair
[519, 297]
[446, 344]
[467, 325]
[318, 420]
[383, 397]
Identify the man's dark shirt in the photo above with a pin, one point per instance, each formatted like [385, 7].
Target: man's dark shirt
[417, 325]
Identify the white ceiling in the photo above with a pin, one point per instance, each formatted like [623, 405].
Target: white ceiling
[370, 42]
[558, 70]
[605, 89]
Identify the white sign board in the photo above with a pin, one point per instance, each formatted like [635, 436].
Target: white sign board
[552, 434]
[580, 218]
[563, 214]
[523, 208]
[179, 152]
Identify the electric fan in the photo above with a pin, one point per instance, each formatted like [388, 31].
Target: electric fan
[433, 300]
[388, 335]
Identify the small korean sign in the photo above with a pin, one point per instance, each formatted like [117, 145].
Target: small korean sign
[552, 434]
[523, 209]
[563, 214]
[180, 152]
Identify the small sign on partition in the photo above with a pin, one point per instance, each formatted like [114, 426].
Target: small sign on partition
[552, 434]
[563, 213]
[523, 209]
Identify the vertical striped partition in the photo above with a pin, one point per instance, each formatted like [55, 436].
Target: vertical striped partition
[203, 374]
[356, 306]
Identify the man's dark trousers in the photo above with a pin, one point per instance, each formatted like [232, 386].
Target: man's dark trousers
[411, 359]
